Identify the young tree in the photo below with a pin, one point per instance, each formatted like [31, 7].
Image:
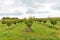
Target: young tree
[44, 21]
[53, 22]
[3, 18]
[3, 22]
[8, 23]
[39, 19]
[15, 23]
[28, 23]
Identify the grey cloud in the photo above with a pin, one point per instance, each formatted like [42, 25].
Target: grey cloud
[28, 2]
[43, 12]
[30, 11]
[45, 1]
[16, 13]
[56, 7]
[18, 3]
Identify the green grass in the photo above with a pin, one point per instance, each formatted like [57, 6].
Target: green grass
[40, 32]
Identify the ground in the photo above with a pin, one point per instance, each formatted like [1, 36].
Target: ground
[41, 31]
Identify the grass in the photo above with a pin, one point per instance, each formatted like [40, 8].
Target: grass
[40, 32]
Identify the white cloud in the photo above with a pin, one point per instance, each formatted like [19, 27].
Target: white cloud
[37, 8]
[6, 6]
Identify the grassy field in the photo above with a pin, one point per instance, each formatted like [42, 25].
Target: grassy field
[41, 31]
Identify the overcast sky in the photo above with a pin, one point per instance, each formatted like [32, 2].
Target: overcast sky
[26, 8]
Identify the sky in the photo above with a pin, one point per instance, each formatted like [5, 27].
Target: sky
[28, 8]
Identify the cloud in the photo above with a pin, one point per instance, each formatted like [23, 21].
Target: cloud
[48, 1]
[10, 6]
[26, 8]
[56, 7]
[28, 2]
[6, 6]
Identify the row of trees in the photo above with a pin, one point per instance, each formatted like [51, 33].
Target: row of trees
[28, 22]
[10, 21]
